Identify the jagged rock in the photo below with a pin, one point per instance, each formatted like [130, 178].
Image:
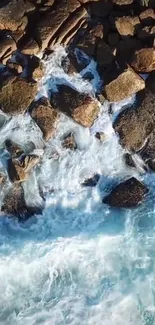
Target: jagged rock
[144, 60]
[15, 97]
[45, 117]
[91, 182]
[14, 204]
[124, 86]
[11, 14]
[127, 25]
[13, 148]
[135, 125]
[127, 194]
[18, 170]
[69, 142]
[15, 67]
[147, 17]
[129, 160]
[80, 106]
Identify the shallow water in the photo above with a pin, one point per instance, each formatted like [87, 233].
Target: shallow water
[79, 262]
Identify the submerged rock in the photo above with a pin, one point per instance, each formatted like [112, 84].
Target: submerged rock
[124, 86]
[80, 106]
[14, 204]
[15, 97]
[127, 194]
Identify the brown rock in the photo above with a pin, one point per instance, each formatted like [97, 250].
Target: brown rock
[18, 170]
[127, 194]
[81, 107]
[144, 60]
[30, 47]
[100, 8]
[88, 42]
[69, 142]
[14, 204]
[7, 46]
[147, 33]
[15, 67]
[38, 72]
[147, 17]
[101, 136]
[11, 14]
[126, 49]
[123, 2]
[124, 86]
[45, 117]
[17, 96]
[135, 125]
[127, 25]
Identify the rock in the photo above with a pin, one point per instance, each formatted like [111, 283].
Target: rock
[123, 2]
[124, 86]
[100, 8]
[129, 160]
[18, 170]
[14, 204]
[126, 49]
[15, 67]
[147, 33]
[30, 47]
[11, 14]
[135, 125]
[144, 60]
[13, 148]
[2, 179]
[91, 182]
[113, 38]
[147, 17]
[127, 194]
[127, 25]
[38, 72]
[104, 54]
[45, 117]
[7, 46]
[72, 65]
[80, 106]
[88, 42]
[100, 136]
[69, 142]
[16, 97]
[148, 151]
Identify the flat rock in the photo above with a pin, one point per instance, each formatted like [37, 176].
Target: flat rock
[14, 204]
[127, 194]
[89, 40]
[69, 142]
[144, 60]
[127, 25]
[124, 86]
[45, 117]
[80, 106]
[16, 97]
[11, 14]
[134, 125]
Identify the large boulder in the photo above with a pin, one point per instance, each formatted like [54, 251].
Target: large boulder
[45, 117]
[123, 86]
[14, 204]
[144, 60]
[11, 14]
[127, 194]
[19, 170]
[134, 125]
[15, 97]
[80, 106]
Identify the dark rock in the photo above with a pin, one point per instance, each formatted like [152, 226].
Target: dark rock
[80, 106]
[13, 148]
[91, 182]
[14, 204]
[147, 17]
[129, 160]
[19, 170]
[127, 194]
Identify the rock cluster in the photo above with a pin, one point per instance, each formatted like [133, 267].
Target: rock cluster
[119, 35]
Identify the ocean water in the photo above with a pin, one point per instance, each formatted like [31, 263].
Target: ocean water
[79, 262]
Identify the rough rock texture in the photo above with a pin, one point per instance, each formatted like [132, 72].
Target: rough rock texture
[14, 204]
[135, 125]
[18, 170]
[147, 17]
[11, 14]
[124, 86]
[45, 117]
[144, 60]
[81, 107]
[127, 194]
[17, 96]
[127, 25]
[69, 142]
[13, 148]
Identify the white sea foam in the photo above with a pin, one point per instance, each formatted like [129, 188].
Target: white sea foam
[79, 263]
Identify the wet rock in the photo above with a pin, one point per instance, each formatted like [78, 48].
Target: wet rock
[127, 194]
[101, 136]
[13, 148]
[89, 41]
[69, 142]
[45, 117]
[129, 160]
[80, 106]
[125, 85]
[127, 25]
[104, 54]
[144, 60]
[14, 204]
[135, 125]
[15, 97]
[2, 179]
[19, 170]
[91, 182]
[38, 72]
[15, 67]
[71, 64]
[100, 8]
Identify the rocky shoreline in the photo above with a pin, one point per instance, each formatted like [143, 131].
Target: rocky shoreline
[119, 36]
